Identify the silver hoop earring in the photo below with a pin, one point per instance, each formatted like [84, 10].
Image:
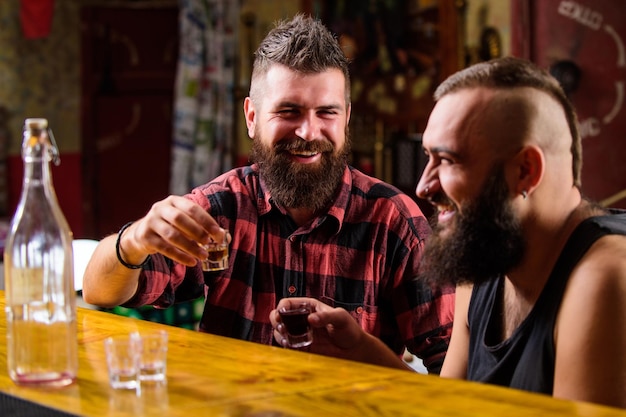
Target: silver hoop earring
[524, 194]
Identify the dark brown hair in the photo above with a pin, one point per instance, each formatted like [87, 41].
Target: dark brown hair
[509, 73]
[302, 44]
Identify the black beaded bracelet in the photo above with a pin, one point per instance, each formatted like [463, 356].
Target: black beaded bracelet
[119, 255]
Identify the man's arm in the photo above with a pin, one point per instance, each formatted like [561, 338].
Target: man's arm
[590, 332]
[121, 282]
[175, 227]
[455, 363]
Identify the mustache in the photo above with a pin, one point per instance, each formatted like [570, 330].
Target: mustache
[300, 145]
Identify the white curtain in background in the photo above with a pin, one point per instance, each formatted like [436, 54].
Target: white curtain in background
[204, 99]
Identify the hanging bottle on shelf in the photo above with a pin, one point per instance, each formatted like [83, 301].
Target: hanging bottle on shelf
[38, 261]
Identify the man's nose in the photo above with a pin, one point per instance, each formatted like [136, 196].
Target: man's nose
[309, 128]
[427, 185]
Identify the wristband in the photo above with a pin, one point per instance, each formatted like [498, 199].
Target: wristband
[119, 254]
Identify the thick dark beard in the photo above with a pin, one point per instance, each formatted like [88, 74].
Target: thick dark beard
[483, 242]
[296, 185]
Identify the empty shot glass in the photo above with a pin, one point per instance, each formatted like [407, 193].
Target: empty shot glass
[295, 319]
[153, 356]
[122, 357]
[218, 255]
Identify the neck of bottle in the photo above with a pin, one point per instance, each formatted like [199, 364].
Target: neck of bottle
[37, 170]
[37, 186]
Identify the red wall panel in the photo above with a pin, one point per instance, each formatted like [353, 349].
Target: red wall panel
[67, 184]
[591, 34]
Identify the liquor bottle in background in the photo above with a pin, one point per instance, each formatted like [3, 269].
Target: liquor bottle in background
[38, 261]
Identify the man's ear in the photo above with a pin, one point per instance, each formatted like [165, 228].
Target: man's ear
[530, 167]
[250, 114]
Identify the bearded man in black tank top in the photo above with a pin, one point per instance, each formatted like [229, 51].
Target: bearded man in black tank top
[540, 270]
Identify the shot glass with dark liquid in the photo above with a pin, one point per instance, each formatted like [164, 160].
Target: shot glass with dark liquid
[299, 332]
[218, 256]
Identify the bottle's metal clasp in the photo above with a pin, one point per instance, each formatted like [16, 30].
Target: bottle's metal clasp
[54, 149]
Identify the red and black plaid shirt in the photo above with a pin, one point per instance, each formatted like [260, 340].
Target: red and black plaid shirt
[362, 255]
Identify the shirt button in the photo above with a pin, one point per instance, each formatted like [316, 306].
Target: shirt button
[359, 310]
[292, 289]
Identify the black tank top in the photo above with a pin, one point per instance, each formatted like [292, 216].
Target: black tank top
[526, 360]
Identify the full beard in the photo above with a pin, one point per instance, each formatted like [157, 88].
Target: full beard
[483, 242]
[295, 185]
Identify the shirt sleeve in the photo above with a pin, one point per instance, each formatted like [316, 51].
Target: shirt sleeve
[432, 319]
[424, 312]
[164, 282]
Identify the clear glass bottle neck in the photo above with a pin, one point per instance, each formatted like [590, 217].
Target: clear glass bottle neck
[37, 174]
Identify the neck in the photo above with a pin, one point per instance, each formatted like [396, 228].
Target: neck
[524, 284]
[301, 216]
[545, 242]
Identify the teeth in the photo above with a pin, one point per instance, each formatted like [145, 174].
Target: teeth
[303, 153]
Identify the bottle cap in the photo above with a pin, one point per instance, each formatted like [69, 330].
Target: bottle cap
[36, 123]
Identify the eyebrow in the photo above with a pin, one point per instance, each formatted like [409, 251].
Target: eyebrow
[443, 149]
[326, 107]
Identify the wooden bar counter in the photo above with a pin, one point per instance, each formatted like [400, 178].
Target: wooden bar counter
[215, 376]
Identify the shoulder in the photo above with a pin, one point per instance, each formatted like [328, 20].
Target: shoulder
[604, 262]
[603, 265]
[384, 203]
[236, 177]
[597, 284]
[372, 187]
[373, 191]
[237, 181]
[587, 338]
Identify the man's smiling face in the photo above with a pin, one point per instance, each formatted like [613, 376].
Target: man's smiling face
[299, 129]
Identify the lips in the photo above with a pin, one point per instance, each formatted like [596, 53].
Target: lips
[445, 214]
[444, 206]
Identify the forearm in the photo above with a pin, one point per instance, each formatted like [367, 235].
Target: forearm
[108, 283]
[373, 351]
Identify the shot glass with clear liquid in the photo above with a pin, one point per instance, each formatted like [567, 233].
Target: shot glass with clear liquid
[122, 357]
[153, 357]
[218, 255]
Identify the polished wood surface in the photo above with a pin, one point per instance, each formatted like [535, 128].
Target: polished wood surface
[214, 376]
